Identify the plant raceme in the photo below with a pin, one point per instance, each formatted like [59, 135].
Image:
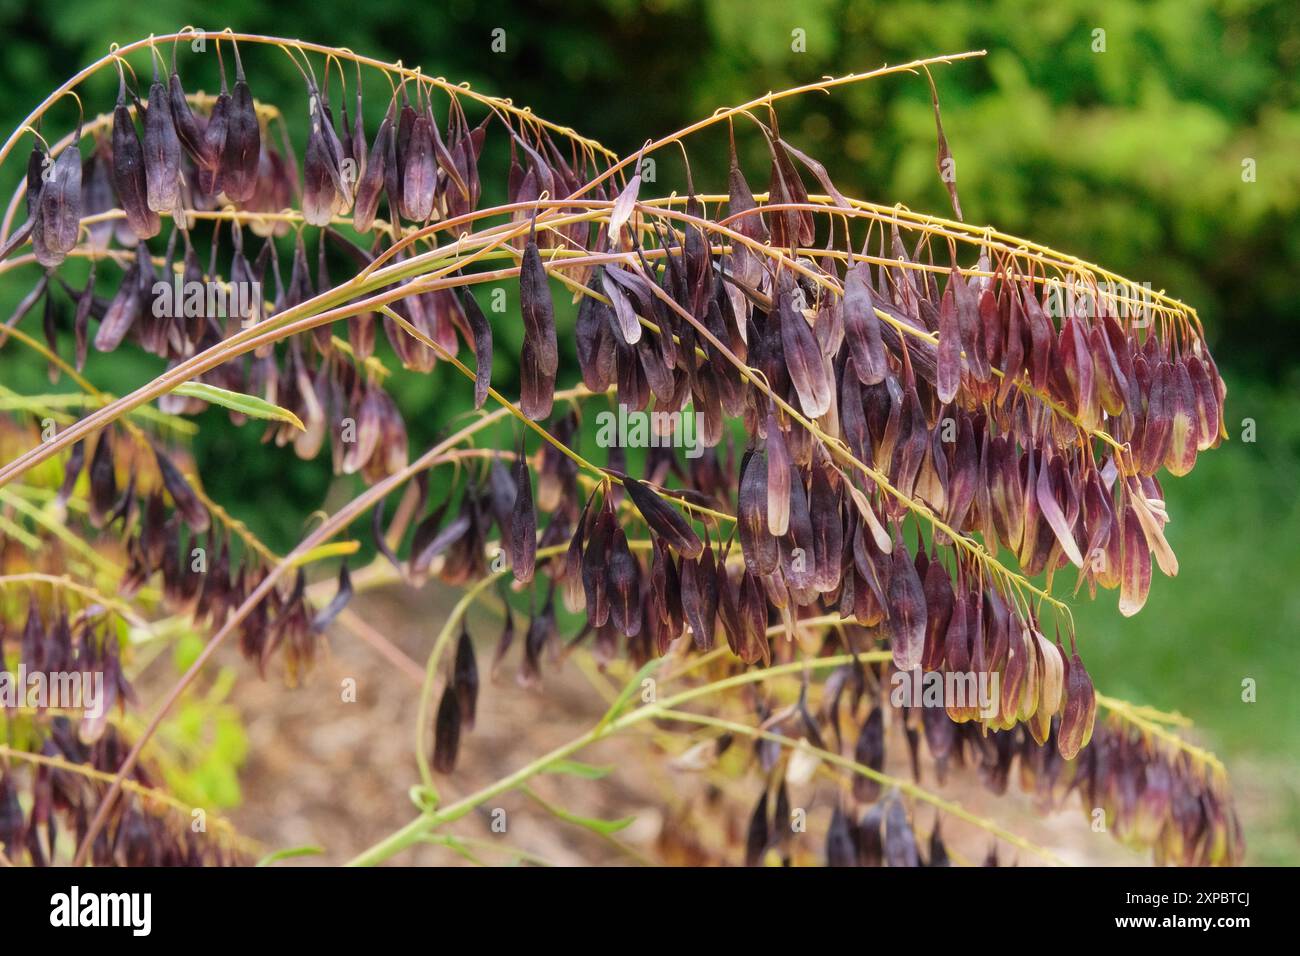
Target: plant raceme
[934, 417]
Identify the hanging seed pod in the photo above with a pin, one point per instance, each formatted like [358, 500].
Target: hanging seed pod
[623, 587]
[162, 150]
[447, 731]
[129, 171]
[807, 369]
[376, 167]
[419, 171]
[757, 836]
[663, 519]
[1135, 564]
[523, 523]
[840, 850]
[907, 607]
[1079, 713]
[124, 309]
[870, 752]
[243, 140]
[189, 129]
[900, 841]
[59, 207]
[187, 502]
[537, 309]
[757, 543]
[481, 330]
[862, 326]
[465, 679]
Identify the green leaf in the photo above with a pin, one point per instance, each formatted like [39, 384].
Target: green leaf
[625, 695]
[249, 405]
[576, 768]
[603, 827]
[289, 854]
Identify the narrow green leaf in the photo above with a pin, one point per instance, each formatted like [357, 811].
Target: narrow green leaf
[249, 405]
[603, 827]
[289, 854]
[576, 768]
[625, 695]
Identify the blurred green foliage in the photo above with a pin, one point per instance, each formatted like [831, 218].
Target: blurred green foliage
[1129, 147]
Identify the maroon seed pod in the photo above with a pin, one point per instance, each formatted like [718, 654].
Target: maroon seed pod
[624, 587]
[870, 752]
[419, 171]
[663, 519]
[447, 731]
[595, 563]
[162, 152]
[907, 610]
[59, 215]
[1079, 713]
[1185, 426]
[243, 140]
[840, 848]
[129, 172]
[900, 841]
[465, 679]
[103, 480]
[189, 129]
[807, 368]
[523, 524]
[187, 502]
[756, 837]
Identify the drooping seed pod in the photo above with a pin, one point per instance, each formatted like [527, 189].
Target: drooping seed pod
[129, 171]
[162, 151]
[757, 835]
[663, 519]
[870, 752]
[243, 140]
[907, 609]
[1079, 713]
[900, 841]
[183, 496]
[523, 524]
[58, 215]
[465, 679]
[447, 731]
[840, 849]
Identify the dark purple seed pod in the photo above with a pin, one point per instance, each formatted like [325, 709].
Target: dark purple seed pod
[465, 679]
[162, 152]
[129, 172]
[243, 140]
[523, 524]
[59, 210]
[189, 128]
[446, 740]
[870, 752]
[757, 836]
[900, 841]
[663, 519]
[840, 848]
[372, 179]
[187, 502]
[419, 172]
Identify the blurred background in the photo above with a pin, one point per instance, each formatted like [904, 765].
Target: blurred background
[1160, 140]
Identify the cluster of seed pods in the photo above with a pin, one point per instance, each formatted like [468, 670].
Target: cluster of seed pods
[62, 801]
[1006, 403]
